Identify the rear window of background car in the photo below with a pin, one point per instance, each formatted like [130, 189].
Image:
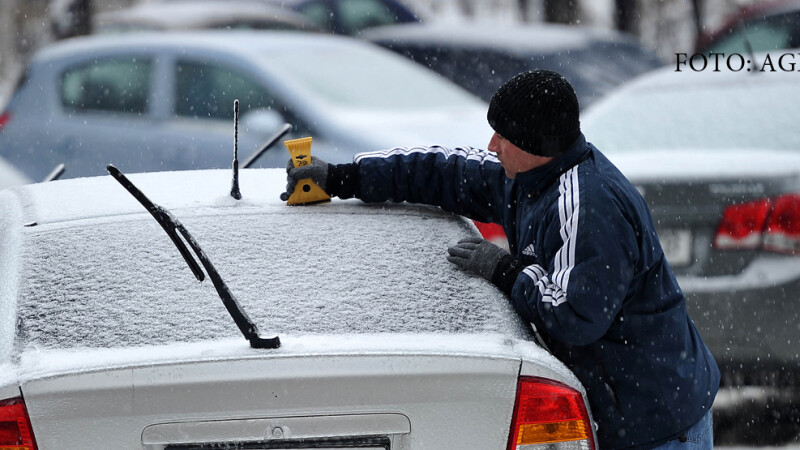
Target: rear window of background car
[113, 84]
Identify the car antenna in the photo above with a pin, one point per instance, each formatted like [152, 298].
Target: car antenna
[55, 173]
[235, 182]
[267, 145]
[170, 224]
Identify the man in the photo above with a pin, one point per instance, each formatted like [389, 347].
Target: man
[585, 267]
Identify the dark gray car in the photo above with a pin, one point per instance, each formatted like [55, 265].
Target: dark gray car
[479, 57]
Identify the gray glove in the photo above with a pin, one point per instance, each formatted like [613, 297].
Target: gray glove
[317, 171]
[477, 256]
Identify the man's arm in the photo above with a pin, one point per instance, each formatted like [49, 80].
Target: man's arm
[465, 181]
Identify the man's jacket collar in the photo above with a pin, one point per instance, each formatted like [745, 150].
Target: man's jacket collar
[537, 180]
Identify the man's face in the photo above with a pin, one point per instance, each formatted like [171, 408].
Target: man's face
[513, 159]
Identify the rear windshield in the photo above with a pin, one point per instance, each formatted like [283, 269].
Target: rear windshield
[756, 113]
[123, 283]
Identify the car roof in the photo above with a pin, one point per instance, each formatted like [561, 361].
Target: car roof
[231, 41]
[73, 251]
[188, 14]
[539, 38]
[58, 201]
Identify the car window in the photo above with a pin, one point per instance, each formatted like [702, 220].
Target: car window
[751, 112]
[772, 33]
[319, 14]
[364, 77]
[119, 85]
[355, 15]
[121, 282]
[208, 91]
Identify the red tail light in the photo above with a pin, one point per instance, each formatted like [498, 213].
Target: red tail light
[769, 224]
[4, 119]
[15, 426]
[783, 229]
[549, 415]
[492, 232]
[742, 226]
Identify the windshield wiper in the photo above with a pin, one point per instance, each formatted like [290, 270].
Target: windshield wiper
[266, 145]
[170, 224]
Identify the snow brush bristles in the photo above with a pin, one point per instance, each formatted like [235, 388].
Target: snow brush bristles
[306, 190]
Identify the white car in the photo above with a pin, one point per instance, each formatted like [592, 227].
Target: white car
[165, 101]
[361, 334]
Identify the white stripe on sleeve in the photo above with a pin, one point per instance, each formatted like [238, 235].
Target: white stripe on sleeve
[469, 153]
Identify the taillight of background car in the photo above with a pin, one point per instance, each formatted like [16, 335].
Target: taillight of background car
[771, 224]
[493, 232]
[549, 415]
[15, 426]
[4, 119]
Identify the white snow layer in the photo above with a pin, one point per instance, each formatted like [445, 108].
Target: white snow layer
[100, 272]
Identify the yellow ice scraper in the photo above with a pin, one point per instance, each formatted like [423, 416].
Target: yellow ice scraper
[306, 190]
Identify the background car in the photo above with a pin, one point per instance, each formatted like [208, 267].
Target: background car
[109, 341]
[350, 17]
[480, 59]
[188, 15]
[164, 101]
[763, 26]
[716, 155]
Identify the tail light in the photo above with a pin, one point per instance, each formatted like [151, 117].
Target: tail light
[4, 119]
[769, 224]
[492, 232]
[742, 226]
[783, 230]
[15, 426]
[549, 415]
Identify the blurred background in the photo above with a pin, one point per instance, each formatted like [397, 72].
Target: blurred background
[666, 26]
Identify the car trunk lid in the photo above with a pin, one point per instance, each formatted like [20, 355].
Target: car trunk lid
[688, 192]
[393, 391]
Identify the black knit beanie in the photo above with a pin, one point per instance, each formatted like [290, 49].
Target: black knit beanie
[537, 111]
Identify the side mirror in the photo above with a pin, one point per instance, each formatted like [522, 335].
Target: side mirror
[262, 121]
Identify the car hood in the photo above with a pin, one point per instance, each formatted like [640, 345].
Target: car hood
[446, 127]
[700, 163]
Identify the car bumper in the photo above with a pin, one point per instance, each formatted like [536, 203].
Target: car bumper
[751, 328]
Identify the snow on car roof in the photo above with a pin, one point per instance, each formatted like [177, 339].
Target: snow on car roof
[97, 271]
[242, 41]
[187, 14]
[545, 38]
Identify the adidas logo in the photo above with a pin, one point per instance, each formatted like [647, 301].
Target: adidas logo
[529, 251]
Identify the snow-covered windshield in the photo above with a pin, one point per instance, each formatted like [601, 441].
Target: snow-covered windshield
[121, 282]
[754, 111]
[356, 77]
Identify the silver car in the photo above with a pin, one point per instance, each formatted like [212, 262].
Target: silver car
[716, 154]
[359, 334]
[165, 101]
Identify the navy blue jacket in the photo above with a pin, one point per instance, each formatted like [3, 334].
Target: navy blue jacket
[591, 279]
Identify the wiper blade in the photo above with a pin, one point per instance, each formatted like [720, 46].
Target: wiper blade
[170, 224]
[55, 173]
[266, 145]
